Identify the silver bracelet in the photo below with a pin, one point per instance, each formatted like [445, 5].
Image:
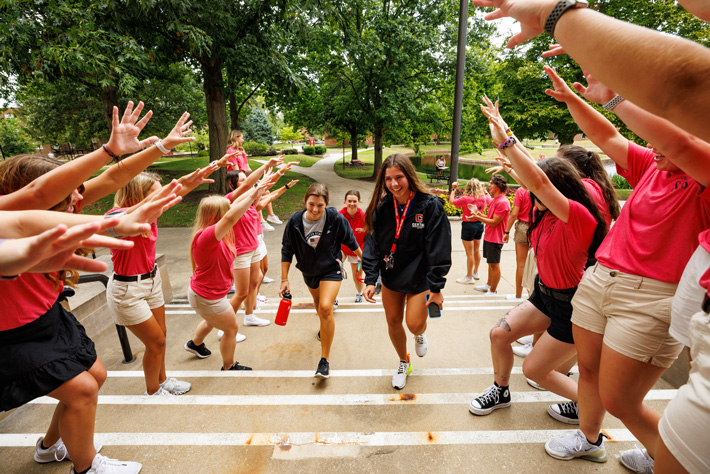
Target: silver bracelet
[159, 145]
[613, 102]
[112, 232]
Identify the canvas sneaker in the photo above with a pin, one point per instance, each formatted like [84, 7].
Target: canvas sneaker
[267, 280]
[475, 276]
[399, 380]
[493, 398]
[200, 351]
[359, 298]
[274, 219]
[525, 340]
[565, 412]
[465, 280]
[575, 445]
[236, 366]
[103, 465]
[267, 227]
[253, 320]
[323, 370]
[335, 304]
[421, 345]
[482, 288]
[523, 351]
[57, 451]
[175, 386]
[637, 460]
[240, 337]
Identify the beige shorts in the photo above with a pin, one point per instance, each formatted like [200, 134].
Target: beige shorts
[130, 302]
[684, 424]
[261, 248]
[521, 233]
[632, 312]
[205, 307]
[246, 259]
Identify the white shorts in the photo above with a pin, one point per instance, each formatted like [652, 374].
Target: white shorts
[689, 295]
[130, 303]
[205, 307]
[246, 259]
[261, 248]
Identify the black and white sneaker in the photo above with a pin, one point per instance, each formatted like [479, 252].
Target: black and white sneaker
[493, 398]
[200, 351]
[323, 370]
[564, 412]
[335, 304]
[318, 335]
[236, 366]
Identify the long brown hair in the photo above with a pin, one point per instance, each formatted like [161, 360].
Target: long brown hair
[136, 189]
[209, 212]
[401, 161]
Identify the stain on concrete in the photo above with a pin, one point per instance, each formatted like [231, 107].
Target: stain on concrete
[251, 438]
[430, 437]
[404, 397]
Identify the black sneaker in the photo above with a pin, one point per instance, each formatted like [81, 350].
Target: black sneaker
[323, 370]
[335, 304]
[564, 412]
[493, 398]
[236, 366]
[200, 351]
[319, 335]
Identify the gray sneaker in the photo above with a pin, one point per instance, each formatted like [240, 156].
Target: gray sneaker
[57, 451]
[175, 386]
[575, 445]
[399, 380]
[637, 460]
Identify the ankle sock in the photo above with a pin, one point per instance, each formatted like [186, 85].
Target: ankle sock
[598, 442]
[83, 472]
[41, 445]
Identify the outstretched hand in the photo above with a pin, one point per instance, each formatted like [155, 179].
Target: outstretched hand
[530, 13]
[179, 133]
[138, 221]
[495, 123]
[554, 50]
[595, 90]
[199, 176]
[561, 91]
[124, 134]
[224, 161]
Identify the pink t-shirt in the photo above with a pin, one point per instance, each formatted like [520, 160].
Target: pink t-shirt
[238, 161]
[522, 200]
[481, 202]
[561, 249]
[141, 258]
[595, 191]
[245, 230]
[499, 206]
[26, 298]
[213, 261]
[704, 239]
[658, 228]
[357, 224]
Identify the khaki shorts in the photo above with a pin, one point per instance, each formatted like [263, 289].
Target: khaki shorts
[205, 307]
[261, 248]
[632, 312]
[521, 233]
[246, 259]
[130, 302]
[684, 424]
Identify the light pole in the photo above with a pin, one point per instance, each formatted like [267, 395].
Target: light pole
[458, 91]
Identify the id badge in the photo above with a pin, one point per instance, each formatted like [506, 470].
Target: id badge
[389, 261]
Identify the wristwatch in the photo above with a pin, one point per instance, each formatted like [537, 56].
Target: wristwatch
[559, 10]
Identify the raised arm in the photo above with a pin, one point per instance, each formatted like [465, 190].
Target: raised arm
[237, 210]
[275, 194]
[256, 174]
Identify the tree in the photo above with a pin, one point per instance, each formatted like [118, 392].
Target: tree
[289, 134]
[13, 140]
[256, 127]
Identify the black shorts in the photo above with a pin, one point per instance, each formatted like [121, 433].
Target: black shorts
[556, 305]
[492, 251]
[471, 231]
[313, 282]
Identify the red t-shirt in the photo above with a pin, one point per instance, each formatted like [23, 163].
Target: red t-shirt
[26, 298]
[213, 265]
[561, 249]
[522, 200]
[137, 260]
[238, 161]
[481, 202]
[499, 206]
[658, 228]
[245, 230]
[597, 195]
[357, 223]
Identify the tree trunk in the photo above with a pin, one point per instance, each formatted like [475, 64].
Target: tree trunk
[379, 138]
[109, 98]
[216, 119]
[353, 144]
[233, 112]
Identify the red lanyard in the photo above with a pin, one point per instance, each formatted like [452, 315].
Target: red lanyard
[400, 222]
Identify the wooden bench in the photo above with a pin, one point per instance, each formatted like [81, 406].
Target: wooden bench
[434, 176]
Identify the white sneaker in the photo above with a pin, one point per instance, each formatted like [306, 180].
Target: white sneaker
[274, 219]
[103, 465]
[491, 293]
[535, 385]
[359, 298]
[267, 280]
[335, 304]
[525, 340]
[421, 345]
[267, 227]
[575, 445]
[475, 276]
[513, 298]
[465, 280]
[399, 380]
[160, 393]
[522, 351]
[261, 299]
[482, 288]
[253, 320]
[175, 386]
[637, 460]
[56, 452]
[240, 337]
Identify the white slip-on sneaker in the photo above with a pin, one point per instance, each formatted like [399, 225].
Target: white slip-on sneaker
[421, 345]
[56, 452]
[267, 280]
[482, 288]
[253, 320]
[465, 280]
[525, 340]
[523, 351]
[575, 445]
[399, 380]
[103, 465]
[175, 386]
[267, 227]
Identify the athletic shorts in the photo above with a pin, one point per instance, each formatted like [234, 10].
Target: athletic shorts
[262, 247]
[492, 251]
[205, 307]
[632, 312]
[130, 302]
[684, 424]
[554, 306]
[521, 233]
[471, 230]
[246, 259]
[313, 282]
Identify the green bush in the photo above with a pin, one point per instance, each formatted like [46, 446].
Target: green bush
[619, 182]
[416, 161]
[321, 150]
[271, 151]
[203, 153]
[255, 148]
[289, 151]
[309, 150]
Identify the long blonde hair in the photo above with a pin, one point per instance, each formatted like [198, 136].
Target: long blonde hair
[473, 188]
[209, 212]
[232, 140]
[136, 190]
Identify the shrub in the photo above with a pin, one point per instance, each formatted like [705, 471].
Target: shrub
[289, 151]
[203, 153]
[619, 182]
[320, 149]
[416, 161]
[309, 150]
[255, 148]
[450, 209]
[271, 151]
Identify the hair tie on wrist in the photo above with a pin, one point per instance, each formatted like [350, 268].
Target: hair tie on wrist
[114, 157]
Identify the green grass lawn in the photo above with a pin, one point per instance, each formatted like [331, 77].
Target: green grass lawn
[304, 160]
[183, 214]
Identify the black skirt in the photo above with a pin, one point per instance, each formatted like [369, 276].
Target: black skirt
[37, 358]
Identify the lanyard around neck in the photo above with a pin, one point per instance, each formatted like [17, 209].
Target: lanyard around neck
[400, 222]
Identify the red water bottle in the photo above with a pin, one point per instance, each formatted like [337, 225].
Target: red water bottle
[284, 309]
